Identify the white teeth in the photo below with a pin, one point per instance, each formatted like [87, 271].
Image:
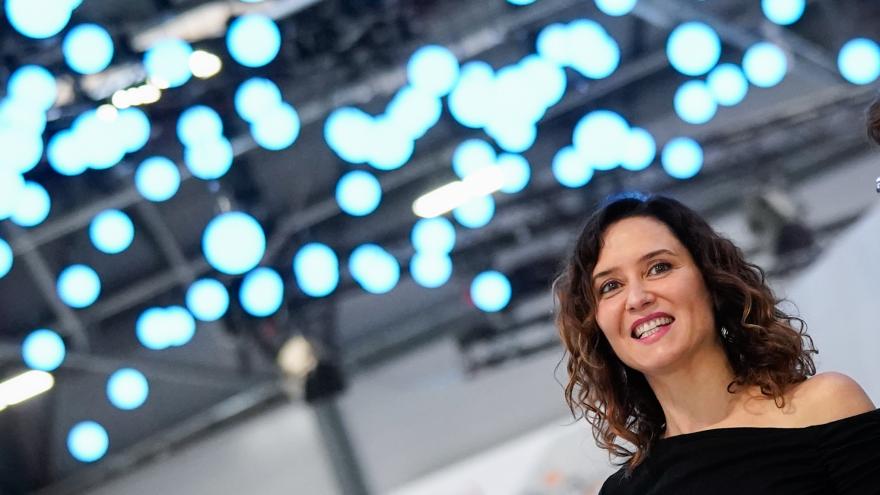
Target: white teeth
[649, 327]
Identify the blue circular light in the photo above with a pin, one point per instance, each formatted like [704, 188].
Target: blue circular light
[23, 114]
[253, 40]
[210, 159]
[11, 188]
[168, 61]
[358, 193]
[207, 299]
[616, 8]
[472, 155]
[516, 172]
[276, 128]
[348, 131]
[33, 84]
[547, 83]
[22, 149]
[65, 155]
[490, 291]
[157, 178]
[859, 61]
[476, 213]
[392, 145]
[783, 12]
[88, 48]
[693, 48]
[127, 389]
[512, 136]
[374, 269]
[552, 44]
[570, 169]
[38, 19]
[600, 138]
[33, 206]
[764, 64]
[88, 441]
[433, 235]
[728, 84]
[180, 326]
[197, 124]
[261, 292]
[430, 269]
[598, 54]
[682, 158]
[433, 69]
[414, 111]
[43, 350]
[694, 103]
[255, 97]
[135, 127]
[78, 286]
[6, 258]
[153, 330]
[111, 231]
[316, 269]
[234, 243]
[640, 150]
[521, 3]
[470, 99]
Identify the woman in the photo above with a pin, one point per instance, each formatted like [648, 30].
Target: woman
[685, 367]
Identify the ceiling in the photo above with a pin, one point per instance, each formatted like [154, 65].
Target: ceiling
[343, 52]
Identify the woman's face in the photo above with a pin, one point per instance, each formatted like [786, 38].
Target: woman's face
[652, 302]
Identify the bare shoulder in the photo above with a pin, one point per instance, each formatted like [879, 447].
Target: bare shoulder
[830, 396]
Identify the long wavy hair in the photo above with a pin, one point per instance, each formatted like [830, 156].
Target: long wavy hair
[765, 346]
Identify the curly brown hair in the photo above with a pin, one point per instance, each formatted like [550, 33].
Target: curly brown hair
[765, 346]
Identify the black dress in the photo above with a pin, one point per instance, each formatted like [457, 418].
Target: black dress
[837, 458]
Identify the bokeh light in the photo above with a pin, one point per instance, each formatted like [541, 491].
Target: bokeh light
[693, 48]
[253, 40]
[349, 133]
[597, 55]
[168, 61]
[43, 350]
[276, 128]
[33, 206]
[374, 269]
[616, 7]
[392, 145]
[470, 101]
[255, 97]
[682, 158]
[358, 193]
[764, 64]
[694, 103]
[233, 243]
[127, 389]
[433, 235]
[413, 111]
[88, 441]
[316, 269]
[516, 170]
[209, 159]
[476, 213]
[65, 155]
[78, 286]
[207, 299]
[261, 292]
[640, 150]
[600, 137]
[157, 179]
[490, 291]
[22, 149]
[111, 231]
[33, 84]
[472, 155]
[135, 127]
[88, 48]
[570, 169]
[728, 84]
[197, 124]
[859, 61]
[7, 258]
[38, 19]
[433, 69]
[783, 12]
[430, 269]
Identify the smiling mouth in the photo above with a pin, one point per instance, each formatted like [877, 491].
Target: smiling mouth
[651, 327]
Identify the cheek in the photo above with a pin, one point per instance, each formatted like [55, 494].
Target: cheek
[607, 321]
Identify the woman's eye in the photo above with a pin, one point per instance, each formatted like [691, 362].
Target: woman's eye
[659, 268]
[608, 286]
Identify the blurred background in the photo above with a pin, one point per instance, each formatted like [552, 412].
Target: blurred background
[306, 246]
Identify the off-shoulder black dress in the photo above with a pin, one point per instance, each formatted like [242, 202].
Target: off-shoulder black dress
[837, 458]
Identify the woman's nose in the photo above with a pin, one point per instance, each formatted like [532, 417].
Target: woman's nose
[638, 297]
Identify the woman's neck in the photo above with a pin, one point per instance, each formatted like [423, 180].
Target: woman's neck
[694, 396]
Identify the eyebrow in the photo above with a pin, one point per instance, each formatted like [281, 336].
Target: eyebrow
[646, 257]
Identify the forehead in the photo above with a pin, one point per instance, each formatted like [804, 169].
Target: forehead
[627, 240]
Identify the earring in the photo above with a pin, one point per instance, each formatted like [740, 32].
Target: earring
[724, 332]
